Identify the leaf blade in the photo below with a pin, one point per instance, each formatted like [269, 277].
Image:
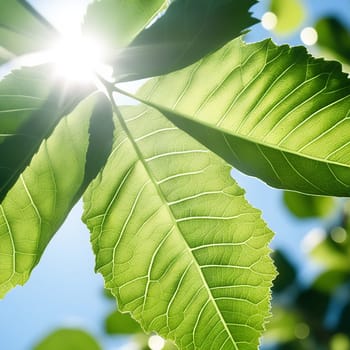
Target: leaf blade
[115, 23]
[22, 29]
[186, 32]
[170, 282]
[31, 104]
[43, 195]
[269, 111]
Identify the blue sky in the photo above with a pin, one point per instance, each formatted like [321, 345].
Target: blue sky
[64, 290]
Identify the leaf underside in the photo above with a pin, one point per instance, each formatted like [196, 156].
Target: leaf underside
[117, 23]
[176, 241]
[32, 102]
[273, 112]
[45, 192]
[22, 29]
[187, 31]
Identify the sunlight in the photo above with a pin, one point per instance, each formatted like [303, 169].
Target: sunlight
[79, 59]
[312, 239]
[156, 342]
[309, 36]
[269, 20]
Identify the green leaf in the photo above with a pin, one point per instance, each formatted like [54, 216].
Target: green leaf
[329, 281]
[281, 327]
[273, 112]
[290, 15]
[175, 240]
[332, 255]
[307, 206]
[5, 56]
[115, 23]
[68, 339]
[340, 342]
[189, 30]
[31, 104]
[286, 272]
[334, 37]
[45, 192]
[118, 323]
[22, 29]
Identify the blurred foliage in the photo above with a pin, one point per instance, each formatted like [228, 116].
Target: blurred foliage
[68, 339]
[334, 38]
[290, 15]
[118, 323]
[317, 316]
[307, 206]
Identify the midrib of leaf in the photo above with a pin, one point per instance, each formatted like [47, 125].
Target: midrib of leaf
[223, 130]
[171, 215]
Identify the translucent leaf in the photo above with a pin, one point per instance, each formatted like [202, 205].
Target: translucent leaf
[176, 241]
[31, 104]
[274, 112]
[307, 206]
[187, 31]
[115, 23]
[22, 29]
[45, 192]
[68, 339]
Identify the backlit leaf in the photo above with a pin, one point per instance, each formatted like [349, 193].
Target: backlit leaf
[274, 112]
[115, 23]
[45, 192]
[175, 240]
[32, 102]
[189, 30]
[307, 206]
[22, 29]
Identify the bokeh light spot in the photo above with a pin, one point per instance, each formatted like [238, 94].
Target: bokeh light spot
[309, 36]
[269, 20]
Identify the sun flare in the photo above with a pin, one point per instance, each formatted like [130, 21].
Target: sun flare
[79, 59]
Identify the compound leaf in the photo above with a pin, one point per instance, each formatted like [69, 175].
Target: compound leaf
[175, 240]
[273, 112]
[39, 201]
